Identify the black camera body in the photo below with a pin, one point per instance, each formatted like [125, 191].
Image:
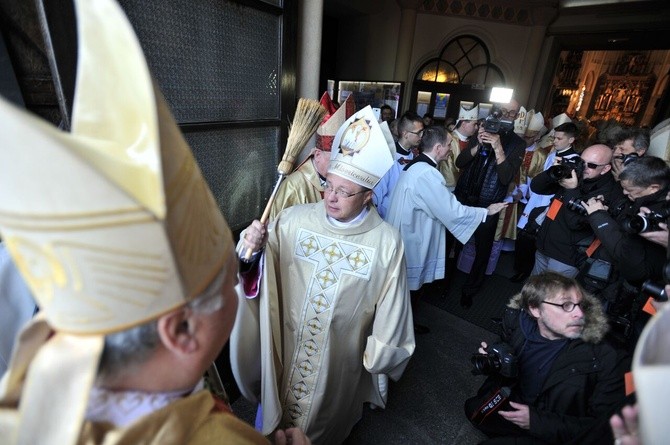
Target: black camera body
[627, 159]
[493, 124]
[565, 168]
[575, 204]
[647, 223]
[499, 359]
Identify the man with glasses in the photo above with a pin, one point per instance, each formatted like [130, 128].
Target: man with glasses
[486, 171]
[569, 379]
[628, 144]
[410, 130]
[634, 259]
[327, 315]
[565, 235]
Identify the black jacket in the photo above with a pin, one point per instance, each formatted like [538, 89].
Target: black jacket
[566, 237]
[585, 384]
[634, 258]
[482, 182]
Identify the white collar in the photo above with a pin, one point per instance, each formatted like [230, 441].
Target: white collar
[341, 225]
[121, 408]
[431, 158]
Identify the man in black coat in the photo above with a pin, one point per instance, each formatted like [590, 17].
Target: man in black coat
[487, 169]
[633, 259]
[568, 378]
[565, 234]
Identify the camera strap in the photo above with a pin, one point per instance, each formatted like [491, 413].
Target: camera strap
[555, 206]
[593, 247]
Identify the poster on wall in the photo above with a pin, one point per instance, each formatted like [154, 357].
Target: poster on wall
[374, 94]
[441, 103]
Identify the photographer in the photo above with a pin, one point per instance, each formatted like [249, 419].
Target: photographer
[569, 380]
[487, 169]
[634, 259]
[565, 234]
[629, 144]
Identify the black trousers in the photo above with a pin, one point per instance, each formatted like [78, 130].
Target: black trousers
[524, 252]
[484, 237]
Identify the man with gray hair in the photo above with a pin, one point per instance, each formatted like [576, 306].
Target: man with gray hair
[629, 144]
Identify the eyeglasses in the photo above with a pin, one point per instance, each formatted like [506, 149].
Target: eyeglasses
[593, 166]
[339, 192]
[569, 306]
[509, 113]
[418, 133]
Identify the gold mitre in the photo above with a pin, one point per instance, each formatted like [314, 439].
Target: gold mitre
[113, 224]
[521, 122]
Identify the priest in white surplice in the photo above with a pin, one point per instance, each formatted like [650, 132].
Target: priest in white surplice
[422, 206]
[330, 316]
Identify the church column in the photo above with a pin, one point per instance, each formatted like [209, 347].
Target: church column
[310, 26]
[534, 62]
[405, 42]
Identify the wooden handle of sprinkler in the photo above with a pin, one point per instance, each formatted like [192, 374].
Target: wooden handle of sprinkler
[268, 207]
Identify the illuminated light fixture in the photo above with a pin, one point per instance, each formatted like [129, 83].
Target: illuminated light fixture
[501, 95]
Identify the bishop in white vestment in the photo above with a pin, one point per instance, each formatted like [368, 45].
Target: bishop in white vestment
[327, 314]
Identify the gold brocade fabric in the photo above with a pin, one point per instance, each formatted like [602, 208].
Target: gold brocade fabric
[191, 420]
[535, 165]
[448, 166]
[300, 187]
[507, 222]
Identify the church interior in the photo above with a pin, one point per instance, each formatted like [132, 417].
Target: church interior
[232, 72]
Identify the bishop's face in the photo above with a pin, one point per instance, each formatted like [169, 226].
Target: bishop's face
[344, 199]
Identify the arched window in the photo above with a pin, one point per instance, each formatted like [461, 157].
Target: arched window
[465, 60]
[462, 72]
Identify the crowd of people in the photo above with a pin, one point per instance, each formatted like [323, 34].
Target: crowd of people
[138, 285]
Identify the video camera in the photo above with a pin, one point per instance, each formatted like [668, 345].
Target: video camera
[499, 358]
[495, 125]
[565, 168]
[647, 223]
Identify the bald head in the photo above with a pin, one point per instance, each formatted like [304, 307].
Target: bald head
[601, 151]
[597, 158]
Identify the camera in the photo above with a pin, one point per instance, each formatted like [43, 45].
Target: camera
[627, 159]
[655, 290]
[565, 168]
[647, 223]
[494, 124]
[498, 359]
[575, 204]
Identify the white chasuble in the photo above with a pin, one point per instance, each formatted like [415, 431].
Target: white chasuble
[332, 314]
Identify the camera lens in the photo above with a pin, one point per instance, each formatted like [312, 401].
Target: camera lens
[558, 172]
[636, 224]
[655, 290]
[485, 364]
